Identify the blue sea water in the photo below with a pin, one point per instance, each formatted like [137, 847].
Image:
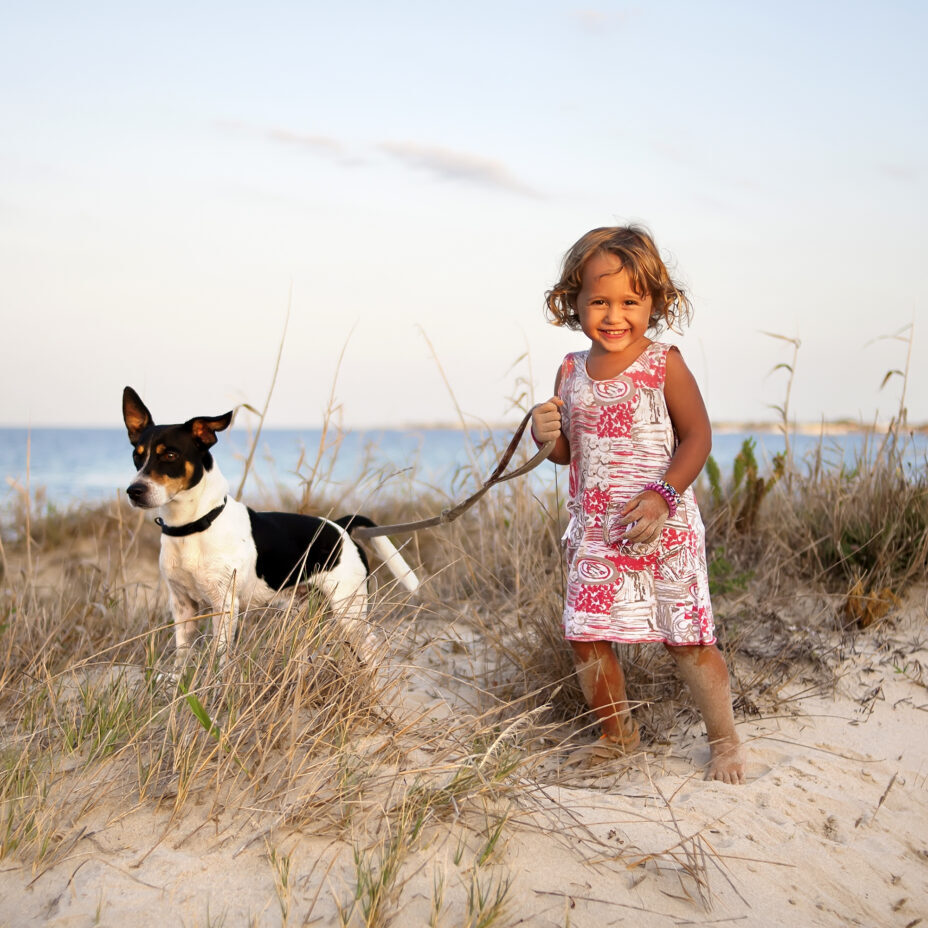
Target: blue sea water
[68, 466]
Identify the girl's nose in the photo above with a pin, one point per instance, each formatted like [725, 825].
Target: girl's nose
[613, 313]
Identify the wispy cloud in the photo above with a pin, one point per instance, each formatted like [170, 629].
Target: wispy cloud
[903, 173]
[448, 164]
[323, 145]
[596, 21]
[445, 164]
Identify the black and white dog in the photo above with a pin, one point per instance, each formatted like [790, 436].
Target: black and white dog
[221, 558]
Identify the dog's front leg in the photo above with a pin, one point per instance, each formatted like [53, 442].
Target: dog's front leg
[225, 620]
[183, 611]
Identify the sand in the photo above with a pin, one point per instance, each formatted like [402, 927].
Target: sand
[831, 828]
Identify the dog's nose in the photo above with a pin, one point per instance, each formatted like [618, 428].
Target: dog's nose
[136, 491]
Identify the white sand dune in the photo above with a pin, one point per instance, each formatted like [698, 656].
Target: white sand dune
[831, 829]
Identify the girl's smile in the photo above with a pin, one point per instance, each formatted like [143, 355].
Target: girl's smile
[613, 315]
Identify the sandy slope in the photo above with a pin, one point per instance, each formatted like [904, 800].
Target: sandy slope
[831, 830]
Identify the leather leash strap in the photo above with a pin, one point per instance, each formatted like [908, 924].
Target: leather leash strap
[498, 476]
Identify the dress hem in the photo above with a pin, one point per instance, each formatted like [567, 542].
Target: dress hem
[667, 641]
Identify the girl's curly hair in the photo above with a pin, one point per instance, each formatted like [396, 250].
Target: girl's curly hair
[635, 248]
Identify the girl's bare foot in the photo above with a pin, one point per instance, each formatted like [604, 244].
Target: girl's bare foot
[726, 762]
[621, 731]
[602, 751]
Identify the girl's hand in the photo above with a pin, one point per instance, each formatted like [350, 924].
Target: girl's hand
[546, 420]
[645, 514]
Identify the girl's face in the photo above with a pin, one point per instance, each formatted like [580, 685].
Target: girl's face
[612, 314]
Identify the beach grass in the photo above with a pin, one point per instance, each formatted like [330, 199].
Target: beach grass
[459, 736]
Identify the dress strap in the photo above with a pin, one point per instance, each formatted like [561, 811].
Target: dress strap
[657, 359]
[565, 373]
[662, 349]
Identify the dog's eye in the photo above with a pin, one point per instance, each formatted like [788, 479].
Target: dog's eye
[170, 456]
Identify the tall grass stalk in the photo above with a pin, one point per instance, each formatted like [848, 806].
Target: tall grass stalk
[783, 410]
[457, 407]
[267, 402]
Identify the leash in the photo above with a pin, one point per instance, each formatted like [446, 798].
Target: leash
[498, 476]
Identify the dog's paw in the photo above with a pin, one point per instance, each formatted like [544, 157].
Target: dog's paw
[165, 679]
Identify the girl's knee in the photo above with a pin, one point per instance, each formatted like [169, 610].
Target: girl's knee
[678, 651]
[586, 651]
[693, 653]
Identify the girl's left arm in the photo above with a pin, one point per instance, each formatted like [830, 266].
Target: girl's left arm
[690, 421]
[646, 513]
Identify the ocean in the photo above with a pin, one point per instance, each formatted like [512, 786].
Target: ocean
[71, 466]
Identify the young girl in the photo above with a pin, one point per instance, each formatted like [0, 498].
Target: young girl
[629, 419]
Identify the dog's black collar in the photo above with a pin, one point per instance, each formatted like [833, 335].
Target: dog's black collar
[191, 528]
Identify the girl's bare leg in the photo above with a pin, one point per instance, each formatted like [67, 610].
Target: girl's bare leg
[603, 685]
[705, 674]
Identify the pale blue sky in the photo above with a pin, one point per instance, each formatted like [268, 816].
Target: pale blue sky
[168, 172]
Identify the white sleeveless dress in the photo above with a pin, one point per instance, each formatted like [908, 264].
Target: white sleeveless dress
[621, 438]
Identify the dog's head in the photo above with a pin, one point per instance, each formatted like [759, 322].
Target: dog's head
[169, 458]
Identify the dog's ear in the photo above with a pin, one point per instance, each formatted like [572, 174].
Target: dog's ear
[135, 414]
[204, 429]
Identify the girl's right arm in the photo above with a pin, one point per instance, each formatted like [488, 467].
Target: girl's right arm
[546, 426]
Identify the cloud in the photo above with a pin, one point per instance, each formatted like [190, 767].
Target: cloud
[319, 144]
[444, 163]
[597, 21]
[903, 173]
[323, 145]
[450, 165]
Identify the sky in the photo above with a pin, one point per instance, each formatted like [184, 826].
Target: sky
[386, 190]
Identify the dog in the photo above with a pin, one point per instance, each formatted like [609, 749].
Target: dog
[221, 558]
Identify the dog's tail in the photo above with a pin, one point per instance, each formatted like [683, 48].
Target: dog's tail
[384, 549]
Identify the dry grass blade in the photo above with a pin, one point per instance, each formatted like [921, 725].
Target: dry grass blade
[267, 401]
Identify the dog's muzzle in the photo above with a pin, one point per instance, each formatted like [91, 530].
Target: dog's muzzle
[138, 493]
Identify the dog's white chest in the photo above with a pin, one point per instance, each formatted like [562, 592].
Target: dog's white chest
[207, 565]
[195, 570]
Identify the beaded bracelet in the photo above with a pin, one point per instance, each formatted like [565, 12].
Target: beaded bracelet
[670, 496]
